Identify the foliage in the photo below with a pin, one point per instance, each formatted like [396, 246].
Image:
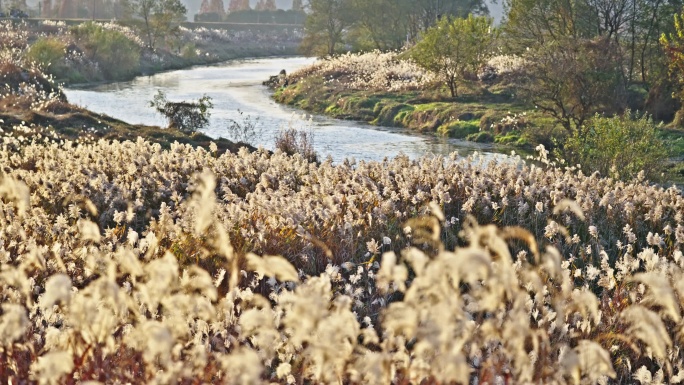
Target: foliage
[293, 141]
[325, 25]
[117, 56]
[620, 147]
[160, 19]
[571, 80]
[631, 26]
[455, 48]
[673, 45]
[531, 22]
[122, 260]
[25, 87]
[373, 70]
[49, 53]
[247, 131]
[184, 116]
[390, 24]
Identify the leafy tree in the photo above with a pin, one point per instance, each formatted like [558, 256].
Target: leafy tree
[184, 116]
[160, 18]
[601, 146]
[381, 24]
[423, 14]
[325, 25]
[572, 80]
[631, 26]
[673, 45]
[531, 22]
[455, 47]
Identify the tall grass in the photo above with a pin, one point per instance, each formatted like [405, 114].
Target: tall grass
[125, 262]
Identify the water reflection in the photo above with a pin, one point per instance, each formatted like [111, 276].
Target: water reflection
[236, 86]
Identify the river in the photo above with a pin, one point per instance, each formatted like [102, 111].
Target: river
[237, 93]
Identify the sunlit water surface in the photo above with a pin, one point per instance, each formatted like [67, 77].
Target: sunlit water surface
[237, 87]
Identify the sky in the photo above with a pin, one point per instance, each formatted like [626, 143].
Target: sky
[496, 10]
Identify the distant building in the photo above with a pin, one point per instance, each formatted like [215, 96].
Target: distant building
[212, 7]
[238, 5]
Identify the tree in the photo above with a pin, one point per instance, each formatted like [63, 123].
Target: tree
[381, 24]
[571, 80]
[426, 13]
[673, 45]
[455, 47]
[536, 22]
[160, 18]
[297, 5]
[325, 25]
[600, 146]
[184, 116]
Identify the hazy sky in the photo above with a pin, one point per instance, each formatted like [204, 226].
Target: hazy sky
[193, 6]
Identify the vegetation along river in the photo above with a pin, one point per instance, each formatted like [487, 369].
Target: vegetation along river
[238, 94]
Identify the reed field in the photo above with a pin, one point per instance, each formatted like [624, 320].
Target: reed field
[126, 262]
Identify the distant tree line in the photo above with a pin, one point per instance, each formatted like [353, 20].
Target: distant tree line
[239, 11]
[334, 26]
[582, 57]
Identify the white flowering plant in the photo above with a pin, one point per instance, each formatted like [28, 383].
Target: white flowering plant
[161, 266]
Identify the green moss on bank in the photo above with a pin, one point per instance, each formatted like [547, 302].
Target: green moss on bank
[425, 111]
[75, 123]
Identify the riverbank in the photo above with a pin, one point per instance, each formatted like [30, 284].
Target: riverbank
[34, 106]
[383, 90]
[63, 121]
[93, 53]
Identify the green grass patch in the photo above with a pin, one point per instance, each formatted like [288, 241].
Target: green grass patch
[675, 141]
[481, 137]
[459, 129]
[515, 138]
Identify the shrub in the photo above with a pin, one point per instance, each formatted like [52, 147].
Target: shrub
[184, 116]
[49, 53]
[189, 51]
[620, 147]
[247, 131]
[293, 141]
[117, 55]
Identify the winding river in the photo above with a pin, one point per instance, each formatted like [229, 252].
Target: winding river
[238, 94]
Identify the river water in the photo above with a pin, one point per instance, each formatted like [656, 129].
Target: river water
[237, 93]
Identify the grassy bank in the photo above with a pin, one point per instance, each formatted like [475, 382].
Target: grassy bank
[97, 52]
[146, 261]
[382, 89]
[31, 99]
[411, 98]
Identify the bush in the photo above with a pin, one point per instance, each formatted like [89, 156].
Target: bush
[247, 131]
[184, 116]
[189, 51]
[117, 55]
[293, 141]
[619, 147]
[49, 53]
